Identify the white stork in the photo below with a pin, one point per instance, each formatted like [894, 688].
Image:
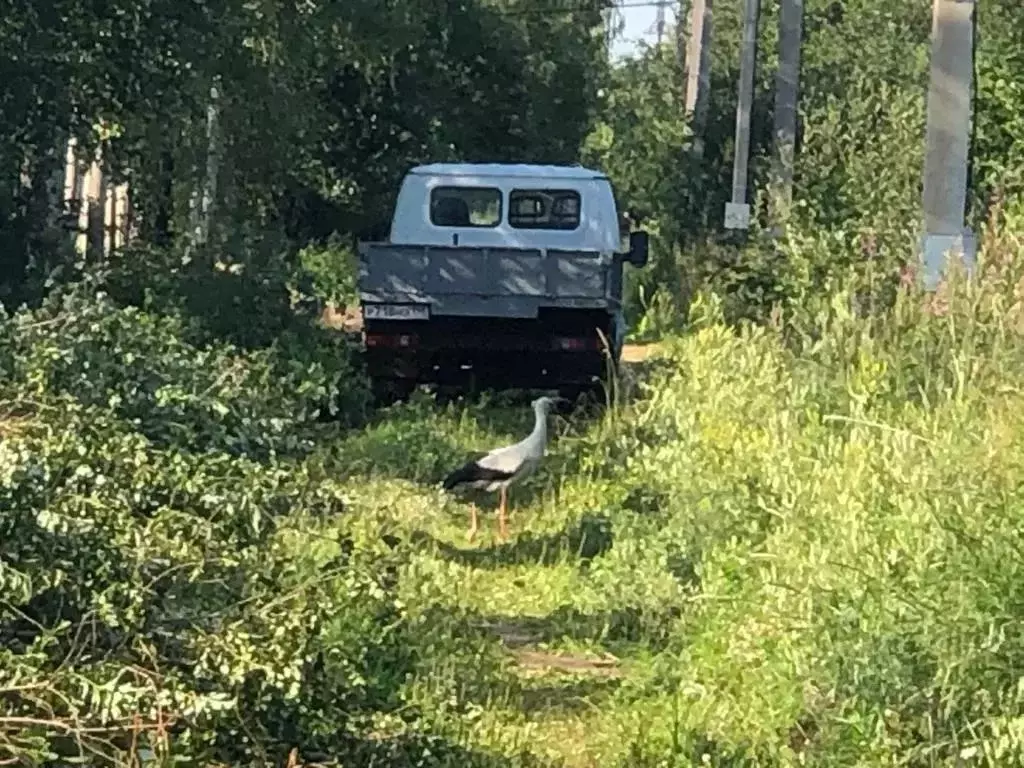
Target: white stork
[504, 466]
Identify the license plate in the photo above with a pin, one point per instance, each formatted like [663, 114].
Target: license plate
[396, 312]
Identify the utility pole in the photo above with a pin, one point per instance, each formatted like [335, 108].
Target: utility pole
[697, 68]
[947, 139]
[608, 14]
[659, 21]
[787, 94]
[95, 202]
[737, 212]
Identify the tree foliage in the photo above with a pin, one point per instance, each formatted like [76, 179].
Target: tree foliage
[174, 576]
[319, 109]
[159, 587]
[864, 79]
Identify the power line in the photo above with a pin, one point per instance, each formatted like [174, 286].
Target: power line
[658, 27]
[612, 18]
[643, 4]
[574, 6]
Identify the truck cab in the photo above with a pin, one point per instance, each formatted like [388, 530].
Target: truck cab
[497, 276]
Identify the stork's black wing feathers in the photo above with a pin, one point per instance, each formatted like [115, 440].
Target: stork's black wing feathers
[472, 472]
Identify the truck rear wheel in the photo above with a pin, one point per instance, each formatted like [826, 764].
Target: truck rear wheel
[594, 392]
[388, 391]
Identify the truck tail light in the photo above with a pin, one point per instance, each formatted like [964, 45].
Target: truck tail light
[574, 343]
[399, 340]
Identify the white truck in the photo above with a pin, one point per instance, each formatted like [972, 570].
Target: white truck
[497, 276]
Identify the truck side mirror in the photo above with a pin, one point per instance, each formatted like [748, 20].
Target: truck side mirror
[638, 245]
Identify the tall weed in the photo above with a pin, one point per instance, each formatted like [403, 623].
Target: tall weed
[839, 494]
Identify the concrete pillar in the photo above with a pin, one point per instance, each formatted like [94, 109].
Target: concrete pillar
[737, 212]
[947, 140]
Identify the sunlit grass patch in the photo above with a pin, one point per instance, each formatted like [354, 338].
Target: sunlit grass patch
[777, 550]
[776, 562]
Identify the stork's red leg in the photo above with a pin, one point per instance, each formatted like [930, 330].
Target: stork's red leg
[502, 511]
[471, 533]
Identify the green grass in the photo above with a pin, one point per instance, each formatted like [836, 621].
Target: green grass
[788, 545]
[771, 554]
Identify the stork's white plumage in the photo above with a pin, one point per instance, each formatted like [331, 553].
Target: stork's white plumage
[502, 467]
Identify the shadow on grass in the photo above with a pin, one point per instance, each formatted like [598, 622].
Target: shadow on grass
[562, 695]
[641, 370]
[403, 445]
[586, 539]
[423, 750]
[646, 500]
[631, 624]
[520, 496]
[422, 442]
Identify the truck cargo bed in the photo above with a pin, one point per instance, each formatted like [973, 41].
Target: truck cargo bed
[489, 282]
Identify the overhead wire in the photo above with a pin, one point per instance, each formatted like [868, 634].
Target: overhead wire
[554, 7]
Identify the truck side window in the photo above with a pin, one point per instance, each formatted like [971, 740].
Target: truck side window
[544, 209]
[465, 206]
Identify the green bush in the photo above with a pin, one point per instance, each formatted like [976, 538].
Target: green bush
[176, 391]
[162, 589]
[844, 490]
[331, 270]
[246, 301]
[207, 598]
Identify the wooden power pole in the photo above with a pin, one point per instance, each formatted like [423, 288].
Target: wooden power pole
[95, 207]
[787, 94]
[659, 21]
[737, 212]
[697, 68]
[947, 139]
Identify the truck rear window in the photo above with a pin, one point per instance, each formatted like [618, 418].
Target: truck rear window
[544, 209]
[465, 206]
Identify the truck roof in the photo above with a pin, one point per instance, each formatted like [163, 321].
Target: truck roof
[518, 170]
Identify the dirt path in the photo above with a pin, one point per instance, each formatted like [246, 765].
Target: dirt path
[521, 645]
[349, 320]
[638, 353]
